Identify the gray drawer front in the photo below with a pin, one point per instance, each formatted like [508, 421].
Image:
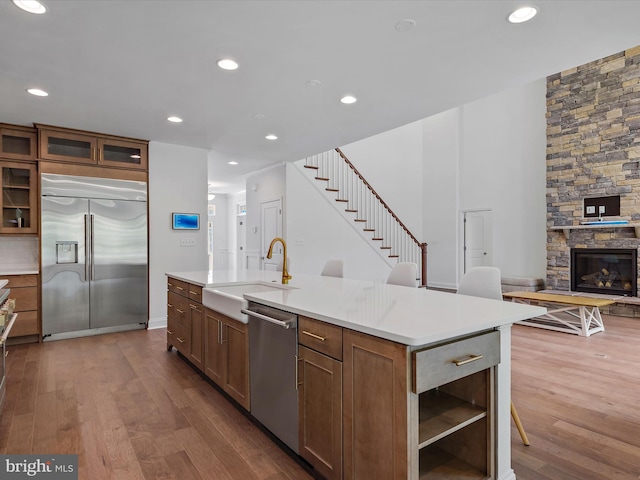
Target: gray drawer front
[436, 366]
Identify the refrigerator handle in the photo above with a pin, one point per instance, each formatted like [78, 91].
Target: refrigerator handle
[87, 259]
[91, 247]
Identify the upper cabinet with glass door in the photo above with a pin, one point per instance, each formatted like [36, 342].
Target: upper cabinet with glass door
[17, 142]
[76, 146]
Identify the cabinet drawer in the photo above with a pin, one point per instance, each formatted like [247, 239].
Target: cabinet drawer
[194, 292]
[179, 336]
[321, 337]
[442, 364]
[21, 280]
[177, 286]
[26, 298]
[178, 308]
[26, 324]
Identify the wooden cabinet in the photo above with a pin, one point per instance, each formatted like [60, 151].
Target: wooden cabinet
[196, 320]
[226, 359]
[320, 396]
[19, 199]
[17, 143]
[455, 385]
[375, 403]
[24, 289]
[178, 317]
[76, 146]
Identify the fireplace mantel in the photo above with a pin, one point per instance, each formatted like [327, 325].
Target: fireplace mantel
[567, 228]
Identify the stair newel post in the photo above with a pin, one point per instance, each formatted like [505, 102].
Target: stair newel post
[423, 249]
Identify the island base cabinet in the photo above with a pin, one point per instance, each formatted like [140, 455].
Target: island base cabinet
[226, 356]
[320, 412]
[375, 405]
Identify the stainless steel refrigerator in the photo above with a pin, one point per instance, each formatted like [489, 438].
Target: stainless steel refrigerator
[94, 255]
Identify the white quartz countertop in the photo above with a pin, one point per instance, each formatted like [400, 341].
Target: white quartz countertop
[411, 316]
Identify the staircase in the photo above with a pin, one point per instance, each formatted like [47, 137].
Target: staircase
[358, 202]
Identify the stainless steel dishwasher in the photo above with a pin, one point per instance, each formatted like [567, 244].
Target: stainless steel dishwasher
[273, 349]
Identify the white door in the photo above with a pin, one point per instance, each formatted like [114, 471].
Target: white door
[478, 239]
[271, 227]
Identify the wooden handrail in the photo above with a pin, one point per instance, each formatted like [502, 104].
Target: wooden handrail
[423, 246]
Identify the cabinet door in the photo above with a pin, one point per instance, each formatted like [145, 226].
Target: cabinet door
[197, 334]
[17, 143]
[235, 340]
[67, 146]
[213, 353]
[375, 407]
[122, 153]
[19, 198]
[320, 412]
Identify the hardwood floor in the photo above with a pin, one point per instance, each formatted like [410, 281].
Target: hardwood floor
[131, 410]
[579, 401]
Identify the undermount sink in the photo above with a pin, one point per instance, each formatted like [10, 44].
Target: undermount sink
[229, 299]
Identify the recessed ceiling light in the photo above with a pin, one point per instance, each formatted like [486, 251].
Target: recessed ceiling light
[227, 64]
[31, 6]
[271, 136]
[232, 162]
[174, 119]
[37, 92]
[313, 83]
[348, 99]
[259, 116]
[523, 14]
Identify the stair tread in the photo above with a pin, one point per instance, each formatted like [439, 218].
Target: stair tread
[332, 190]
[350, 210]
[368, 229]
[322, 178]
[341, 200]
[394, 256]
[385, 248]
[377, 239]
[311, 166]
[359, 220]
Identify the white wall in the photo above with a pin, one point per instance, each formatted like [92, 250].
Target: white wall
[488, 154]
[392, 164]
[177, 183]
[503, 167]
[441, 147]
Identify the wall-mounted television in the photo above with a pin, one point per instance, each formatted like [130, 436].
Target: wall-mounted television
[185, 221]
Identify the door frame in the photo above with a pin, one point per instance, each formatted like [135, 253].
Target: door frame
[463, 239]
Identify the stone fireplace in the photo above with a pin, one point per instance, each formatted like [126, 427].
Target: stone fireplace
[611, 271]
[593, 150]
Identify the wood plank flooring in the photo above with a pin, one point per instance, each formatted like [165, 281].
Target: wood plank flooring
[131, 410]
[579, 400]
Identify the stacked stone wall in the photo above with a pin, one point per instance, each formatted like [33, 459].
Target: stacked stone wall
[593, 150]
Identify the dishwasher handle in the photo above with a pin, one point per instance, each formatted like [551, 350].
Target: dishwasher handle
[261, 316]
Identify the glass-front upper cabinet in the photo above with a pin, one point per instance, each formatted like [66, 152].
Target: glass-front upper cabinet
[115, 152]
[19, 200]
[17, 143]
[64, 145]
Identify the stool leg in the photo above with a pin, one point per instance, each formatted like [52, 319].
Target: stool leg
[516, 419]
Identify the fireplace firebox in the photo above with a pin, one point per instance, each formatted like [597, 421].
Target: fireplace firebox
[612, 271]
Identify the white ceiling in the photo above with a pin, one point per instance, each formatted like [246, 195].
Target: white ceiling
[122, 67]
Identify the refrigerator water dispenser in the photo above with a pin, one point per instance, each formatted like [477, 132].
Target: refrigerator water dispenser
[66, 252]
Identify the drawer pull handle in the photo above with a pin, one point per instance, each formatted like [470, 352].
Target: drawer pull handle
[193, 307]
[169, 305]
[180, 288]
[180, 340]
[468, 359]
[170, 284]
[170, 332]
[313, 335]
[192, 292]
[179, 311]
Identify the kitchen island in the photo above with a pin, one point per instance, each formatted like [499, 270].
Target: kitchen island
[394, 382]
